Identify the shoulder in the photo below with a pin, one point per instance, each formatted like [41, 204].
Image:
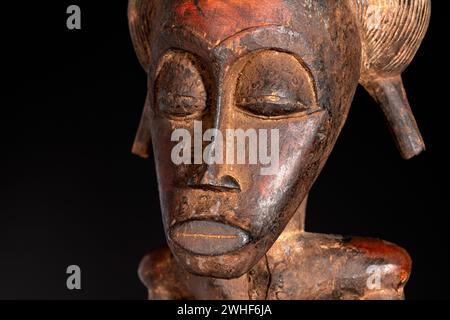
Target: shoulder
[387, 266]
[337, 267]
[367, 268]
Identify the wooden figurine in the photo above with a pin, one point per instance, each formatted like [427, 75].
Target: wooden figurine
[235, 229]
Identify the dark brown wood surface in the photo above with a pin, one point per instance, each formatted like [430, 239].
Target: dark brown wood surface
[232, 232]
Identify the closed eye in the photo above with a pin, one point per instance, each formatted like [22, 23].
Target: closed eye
[273, 106]
[182, 105]
[180, 87]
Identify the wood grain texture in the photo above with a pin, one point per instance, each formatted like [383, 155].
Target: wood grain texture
[391, 32]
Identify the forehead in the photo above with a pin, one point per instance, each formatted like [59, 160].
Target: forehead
[322, 34]
[219, 19]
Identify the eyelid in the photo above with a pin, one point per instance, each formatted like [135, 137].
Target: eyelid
[189, 100]
[299, 109]
[183, 101]
[270, 99]
[299, 114]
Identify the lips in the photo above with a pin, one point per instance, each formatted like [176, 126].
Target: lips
[209, 237]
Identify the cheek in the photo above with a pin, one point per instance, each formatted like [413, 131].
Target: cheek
[162, 130]
[301, 143]
[301, 150]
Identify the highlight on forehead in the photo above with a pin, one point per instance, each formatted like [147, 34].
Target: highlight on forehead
[215, 19]
[219, 19]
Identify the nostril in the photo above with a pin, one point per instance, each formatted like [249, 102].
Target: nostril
[210, 181]
[230, 183]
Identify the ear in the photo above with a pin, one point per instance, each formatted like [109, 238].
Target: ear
[140, 14]
[142, 145]
[391, 33]
[390, 94]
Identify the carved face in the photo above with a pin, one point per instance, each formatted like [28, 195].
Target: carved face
[282, 66]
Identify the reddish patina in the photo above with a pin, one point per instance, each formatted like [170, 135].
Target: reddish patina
[289, 65]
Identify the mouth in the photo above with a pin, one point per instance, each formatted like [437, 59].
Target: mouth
[209, 238]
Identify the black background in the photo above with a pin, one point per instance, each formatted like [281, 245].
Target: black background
[72, 193]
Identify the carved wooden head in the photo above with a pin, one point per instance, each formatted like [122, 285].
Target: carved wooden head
[258, 66]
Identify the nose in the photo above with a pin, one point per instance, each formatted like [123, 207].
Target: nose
[214, 177]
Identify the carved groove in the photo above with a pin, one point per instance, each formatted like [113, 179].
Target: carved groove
[391, 32]
[139, 18]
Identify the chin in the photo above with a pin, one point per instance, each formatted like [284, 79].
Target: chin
[229, 265]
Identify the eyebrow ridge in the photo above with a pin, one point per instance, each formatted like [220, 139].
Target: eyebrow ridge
[247, 30]
[213, 45]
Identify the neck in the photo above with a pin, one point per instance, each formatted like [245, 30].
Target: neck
[259, 278]
[297, 223]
